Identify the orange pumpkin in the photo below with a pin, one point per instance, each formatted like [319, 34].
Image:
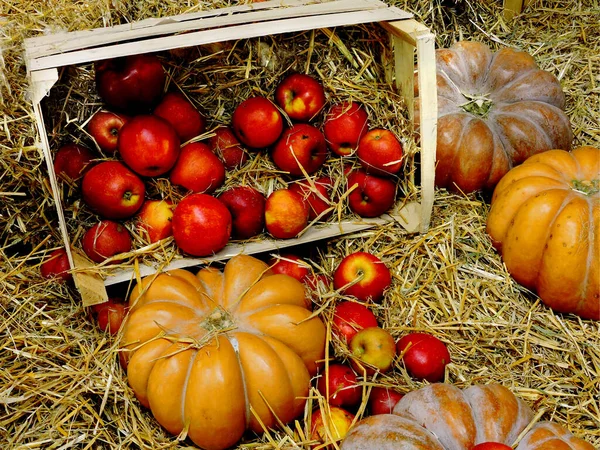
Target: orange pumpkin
[494, 111]
[443, 417]
[223, 351]
[545, 221]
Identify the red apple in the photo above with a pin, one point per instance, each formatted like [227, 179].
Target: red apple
[331, 425]
[300, 96]
[57, 266]
[247, 208]
[300, 147]
[227, 147]
[339, 385]
[372, 195]
[351, 317]
[316, 195]
[112, 190]
[373, 350]
[176, 109]
[380, 152]
[424, 356]
[149, 145]
[198, 169]
[104, 128]
[201, 225]
[111, 314]
[362, 275]
[71, 161]
[382, 400]
[291, 265]
[286, 215]
[344, 126]
[257, 122]
[106, 239]
[131, 83]
[491, 446]
[154, 220]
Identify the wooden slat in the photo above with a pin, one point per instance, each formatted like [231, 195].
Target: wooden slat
[408, 216]
[40, 47]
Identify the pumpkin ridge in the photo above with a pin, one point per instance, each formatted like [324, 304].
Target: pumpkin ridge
[185, 387]
[236, 349]
[233, 306]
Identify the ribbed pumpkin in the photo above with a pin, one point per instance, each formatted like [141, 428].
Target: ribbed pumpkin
[494, 111]
[443, 417]
[545, 221]
[221, 352]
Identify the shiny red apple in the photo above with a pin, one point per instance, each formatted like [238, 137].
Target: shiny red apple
[351, 317]
[71, 161]
[362, 275]
[154, 220]
[291, 265]
[339, 385]
[201, 225]
[345, 124]
[149, 145]
[131, 84]
[112, 190]
[111, 314]
[198, 169]
[57, 266]
[247, 207]
[424, 355]
[104, 127]
[286, 214]
[179, 111]
[371, 196]
[300, 149]
[380, 152]
[257, 122]
[301, 96]
[105, 240]
[228, 148]
[382, 400]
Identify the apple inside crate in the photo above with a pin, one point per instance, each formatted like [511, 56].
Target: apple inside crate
[363, 54]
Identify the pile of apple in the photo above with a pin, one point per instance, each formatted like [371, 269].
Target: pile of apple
[144, 134]
[368, 350]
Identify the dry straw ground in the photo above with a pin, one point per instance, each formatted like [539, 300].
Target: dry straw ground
[60, 384]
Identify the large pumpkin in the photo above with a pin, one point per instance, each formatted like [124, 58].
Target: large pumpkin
[443, 417]
[545, 221]
[494, 111]
[221, 352]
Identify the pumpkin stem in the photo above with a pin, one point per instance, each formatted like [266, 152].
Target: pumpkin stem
[587, 187]
[478, 105]
[218, 320]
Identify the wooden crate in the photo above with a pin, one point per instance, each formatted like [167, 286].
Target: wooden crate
[45, 55]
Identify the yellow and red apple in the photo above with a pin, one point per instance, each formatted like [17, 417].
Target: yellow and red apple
[362, 275]
[104, 128]
[286, 214]
[330, 425]
[154, 219]
[301, 96]
[351, 317]
[372, 350]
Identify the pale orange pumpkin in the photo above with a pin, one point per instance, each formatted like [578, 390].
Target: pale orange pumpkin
[495, 109]
[545, 221]
[222, 352]
[443, 417]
